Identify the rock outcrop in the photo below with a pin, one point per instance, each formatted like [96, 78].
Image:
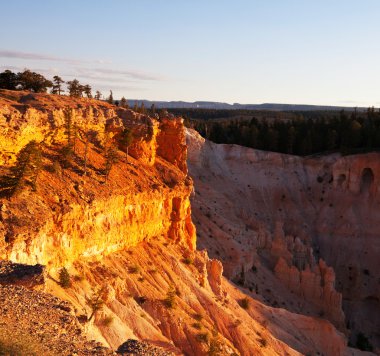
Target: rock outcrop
[316, 286]
[77, 215]
[29, 276]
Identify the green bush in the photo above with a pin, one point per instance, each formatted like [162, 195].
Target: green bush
[64, 278]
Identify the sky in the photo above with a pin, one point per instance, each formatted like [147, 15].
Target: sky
[247, 51]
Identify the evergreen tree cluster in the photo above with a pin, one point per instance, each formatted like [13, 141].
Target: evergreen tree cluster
[26, 80]
[336, 131]
[37, 83]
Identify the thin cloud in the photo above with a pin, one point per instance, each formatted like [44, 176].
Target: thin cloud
[42, 57]
[93, 73]
[114, 74]
[106, 89]
[45, 71]
[131, 74]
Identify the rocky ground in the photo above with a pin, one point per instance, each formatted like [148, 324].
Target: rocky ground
[35, 323]
[138, 348]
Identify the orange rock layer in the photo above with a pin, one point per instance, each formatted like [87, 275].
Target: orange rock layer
[74, 215]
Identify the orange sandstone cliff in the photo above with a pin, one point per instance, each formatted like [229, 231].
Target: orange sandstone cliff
[129, 240]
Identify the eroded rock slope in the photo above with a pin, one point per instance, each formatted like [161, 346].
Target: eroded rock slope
[311, 223]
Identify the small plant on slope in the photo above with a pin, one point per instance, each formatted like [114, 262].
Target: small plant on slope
[64, 278]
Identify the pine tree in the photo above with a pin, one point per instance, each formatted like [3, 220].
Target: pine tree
[87, 134]
[126, 140]
[69, 122]
[111, 159]
[98, 95]
[70, 131]
[87, 91]
[57, 85]
[25, 171]
[153, 109]
[96, 301]
[110, 98]
[74, 88]
[124, 103]
[86, 153]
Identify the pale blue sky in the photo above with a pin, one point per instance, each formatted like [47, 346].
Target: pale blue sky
[247, 51]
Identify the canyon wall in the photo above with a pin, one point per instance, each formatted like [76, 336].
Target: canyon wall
[329, 209]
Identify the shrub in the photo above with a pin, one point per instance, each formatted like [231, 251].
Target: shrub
[78, 277]
[244, 303]
[140, 299]
[188, 261]
[263, 342]
[108, 320]
[216, 346]
[203, 337]
[134, 269]
[198, 317]
[64, 278]
[197, 326]
[169, 301]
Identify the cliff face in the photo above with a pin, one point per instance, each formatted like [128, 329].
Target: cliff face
[275, 216]
[75, 215]
[118, 217]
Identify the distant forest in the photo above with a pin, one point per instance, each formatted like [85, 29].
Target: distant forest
[298, 133]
